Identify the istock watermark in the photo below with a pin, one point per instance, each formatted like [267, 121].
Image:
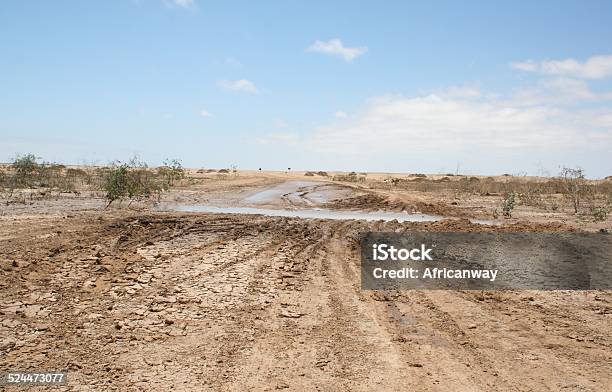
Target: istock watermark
[382, 252]
[486, 261]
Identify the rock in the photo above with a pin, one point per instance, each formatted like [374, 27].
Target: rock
[32, 311]
[41, 327]
[89, 284]
[73, 365]
[290, 314]
[152, 361]
[7, 344]
[156, 308]
[10, 323]
[144, 279]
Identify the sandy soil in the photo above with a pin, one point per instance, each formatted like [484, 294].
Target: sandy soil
[150, 300]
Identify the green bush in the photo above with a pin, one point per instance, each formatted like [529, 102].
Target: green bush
[25, 168]
[134, 181]
[115, 185]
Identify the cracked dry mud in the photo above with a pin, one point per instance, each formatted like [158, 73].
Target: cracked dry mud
[156, 301]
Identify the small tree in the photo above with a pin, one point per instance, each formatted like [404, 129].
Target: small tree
[116, 183]
[172, 170]
[132, 180]
[573, 182]
[25, 167]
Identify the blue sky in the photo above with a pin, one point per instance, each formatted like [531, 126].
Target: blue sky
[350, 85]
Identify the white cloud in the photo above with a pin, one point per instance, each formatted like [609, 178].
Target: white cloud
[435, 125]
[527, 66]
[556, 91]
[596, 67]
[243, 85]
[459, 92]
[340, 114]
[205, 113]
[336, 48]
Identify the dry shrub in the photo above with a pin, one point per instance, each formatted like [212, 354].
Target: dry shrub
[351, 177]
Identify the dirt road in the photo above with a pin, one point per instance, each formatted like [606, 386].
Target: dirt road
[154, 300]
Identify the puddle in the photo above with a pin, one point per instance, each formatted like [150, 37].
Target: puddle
[299, 193]
[308, 213]
[277, 192]
[306, 196]
[326, 193]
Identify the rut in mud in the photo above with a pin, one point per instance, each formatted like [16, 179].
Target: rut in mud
[230, 302]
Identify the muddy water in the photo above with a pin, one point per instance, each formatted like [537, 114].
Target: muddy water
[306, 193]
[301, 199]
[277, 192]
[317, 213]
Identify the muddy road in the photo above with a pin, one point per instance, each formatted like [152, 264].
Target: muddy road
[156, 300]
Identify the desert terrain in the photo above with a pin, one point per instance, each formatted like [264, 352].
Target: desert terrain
[233, 297]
